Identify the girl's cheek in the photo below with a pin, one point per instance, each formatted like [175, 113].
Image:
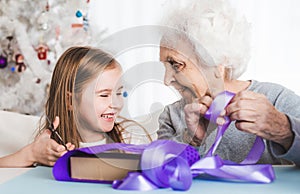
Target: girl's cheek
[121, 102]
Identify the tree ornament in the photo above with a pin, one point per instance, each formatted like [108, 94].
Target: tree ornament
[38, 80]
[47, 7]
[85, 22]
[84, 15]
[9, 49]
[13, 69]
[3, 61]
[42, 50]
[78, 14]
[20, 65]
[42, 21]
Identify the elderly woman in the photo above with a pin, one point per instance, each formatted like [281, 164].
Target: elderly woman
[268, 110]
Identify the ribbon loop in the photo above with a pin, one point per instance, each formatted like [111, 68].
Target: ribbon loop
[170, 166]
[134, 181]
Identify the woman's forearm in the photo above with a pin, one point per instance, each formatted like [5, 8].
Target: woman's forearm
[21, 158]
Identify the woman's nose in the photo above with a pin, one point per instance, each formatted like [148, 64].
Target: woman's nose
[169, 76]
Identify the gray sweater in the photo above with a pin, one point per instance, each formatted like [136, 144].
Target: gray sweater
[236, 144]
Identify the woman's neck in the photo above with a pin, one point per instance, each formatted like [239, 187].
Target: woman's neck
[236, 86]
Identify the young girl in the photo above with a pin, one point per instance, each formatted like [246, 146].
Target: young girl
[85, 99]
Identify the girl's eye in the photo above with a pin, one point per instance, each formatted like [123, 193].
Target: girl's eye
[119, 93]
[104, 95]
[176, 65]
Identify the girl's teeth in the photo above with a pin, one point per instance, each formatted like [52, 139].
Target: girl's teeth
[108, 116]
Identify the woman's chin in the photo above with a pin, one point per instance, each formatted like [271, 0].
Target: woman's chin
[188, 95]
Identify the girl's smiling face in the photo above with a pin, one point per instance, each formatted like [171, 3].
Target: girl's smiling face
[101, 103]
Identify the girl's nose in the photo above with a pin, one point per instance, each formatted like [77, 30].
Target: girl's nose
[116, 102]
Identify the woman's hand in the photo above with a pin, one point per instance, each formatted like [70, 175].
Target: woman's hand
[45, 150]
[254, 114]
[194, 116]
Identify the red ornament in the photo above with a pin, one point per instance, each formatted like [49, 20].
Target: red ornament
[38, 80]
[42, 50]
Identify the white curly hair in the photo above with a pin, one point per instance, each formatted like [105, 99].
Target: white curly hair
[215, 26]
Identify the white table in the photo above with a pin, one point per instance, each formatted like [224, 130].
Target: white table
[40, 180]
[10, 173]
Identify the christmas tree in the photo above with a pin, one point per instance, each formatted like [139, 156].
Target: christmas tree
[33, 35]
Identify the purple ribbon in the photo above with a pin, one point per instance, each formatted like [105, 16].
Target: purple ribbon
[168, 164]
[213, 165]
[164, 163]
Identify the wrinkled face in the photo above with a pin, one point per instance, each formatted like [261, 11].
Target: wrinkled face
[182, 72]
[102, 101]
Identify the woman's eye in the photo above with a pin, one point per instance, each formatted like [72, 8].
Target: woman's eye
[119, 93]
[176, 65]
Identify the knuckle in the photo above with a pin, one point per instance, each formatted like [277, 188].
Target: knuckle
[206, 100]
[194, 106]
[242, 93]
[239, 103]
[239, 115]
[240, 126]
[187, 108]
[228, 109]
[49, 158]
[51, 163]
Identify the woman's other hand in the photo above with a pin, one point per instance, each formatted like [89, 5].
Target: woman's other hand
[254, 114]
[195, 121]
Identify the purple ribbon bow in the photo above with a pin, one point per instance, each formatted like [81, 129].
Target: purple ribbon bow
[168, 164]
[213, 165]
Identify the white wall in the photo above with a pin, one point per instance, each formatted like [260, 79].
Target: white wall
[275, 39]
[275, 36]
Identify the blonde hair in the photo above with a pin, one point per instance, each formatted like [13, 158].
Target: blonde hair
[76, 67]
[214, 26]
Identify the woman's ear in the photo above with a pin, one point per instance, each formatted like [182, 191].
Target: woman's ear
[69, 101]
[220, 71]
[224, 72]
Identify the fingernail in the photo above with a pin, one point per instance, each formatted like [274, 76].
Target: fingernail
[194, 105]
[220, 121]
[61, 148]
